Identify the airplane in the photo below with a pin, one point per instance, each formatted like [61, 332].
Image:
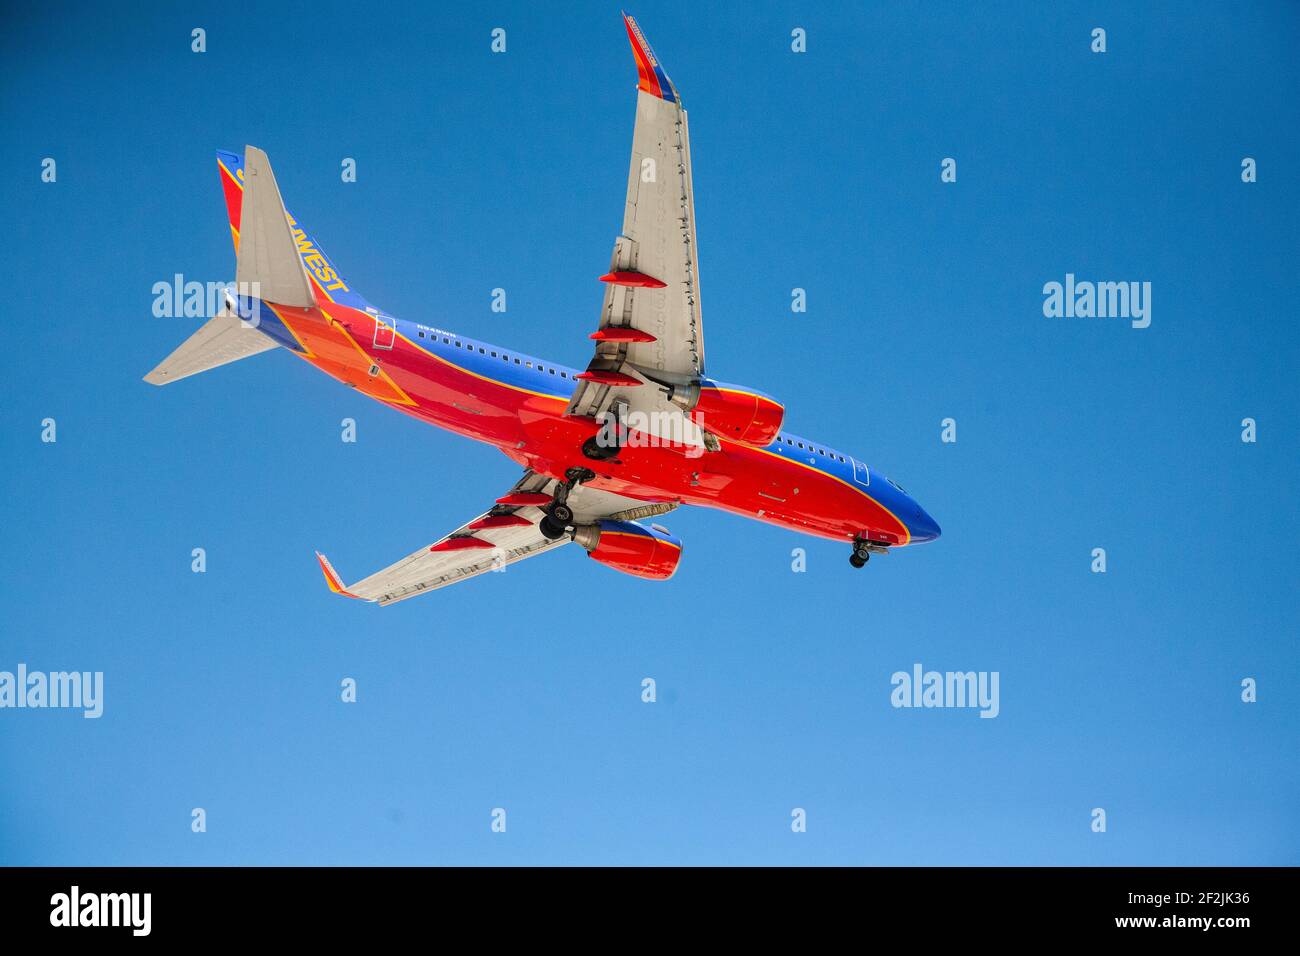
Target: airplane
[637, 433]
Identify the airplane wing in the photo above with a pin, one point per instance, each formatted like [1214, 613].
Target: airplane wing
[650, 328]
[502, 535]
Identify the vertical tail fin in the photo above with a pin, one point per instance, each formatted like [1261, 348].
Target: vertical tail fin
[250, 174]
[268, 261]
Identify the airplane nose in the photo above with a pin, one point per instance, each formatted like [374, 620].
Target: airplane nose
[921, 526]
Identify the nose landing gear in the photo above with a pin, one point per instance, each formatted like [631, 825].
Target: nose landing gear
[863, 548]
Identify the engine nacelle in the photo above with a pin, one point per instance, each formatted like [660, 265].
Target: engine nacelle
[631, 547]
[735, 412]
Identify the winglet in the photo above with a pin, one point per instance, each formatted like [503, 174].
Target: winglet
[332, 578]
[653, 79]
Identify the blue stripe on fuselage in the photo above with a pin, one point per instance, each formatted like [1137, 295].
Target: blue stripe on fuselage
[493, 362]
[258, 311]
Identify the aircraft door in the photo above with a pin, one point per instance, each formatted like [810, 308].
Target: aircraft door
[860, 472]
[385, 334]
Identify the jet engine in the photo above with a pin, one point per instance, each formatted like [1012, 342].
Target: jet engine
[631, 547]
[735, 412]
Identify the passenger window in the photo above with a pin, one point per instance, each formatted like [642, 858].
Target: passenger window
[494, 354]
[516, 361]
[446, 341]
[480, 351]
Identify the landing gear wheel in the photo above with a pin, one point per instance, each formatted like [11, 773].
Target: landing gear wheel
[550, 528]
[561, 514]
[861, 553]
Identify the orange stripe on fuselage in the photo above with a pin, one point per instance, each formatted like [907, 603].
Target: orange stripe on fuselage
[329, 346]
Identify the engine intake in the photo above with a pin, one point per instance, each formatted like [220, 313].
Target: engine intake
[631, 547]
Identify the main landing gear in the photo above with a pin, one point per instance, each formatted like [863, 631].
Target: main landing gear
[550, 528]
[558, 516]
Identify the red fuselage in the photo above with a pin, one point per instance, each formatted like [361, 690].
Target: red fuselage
[517, 403]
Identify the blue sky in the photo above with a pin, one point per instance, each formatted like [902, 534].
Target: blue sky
[817, 170]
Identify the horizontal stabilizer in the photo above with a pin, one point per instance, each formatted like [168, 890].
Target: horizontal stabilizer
[268, 254]
[223, 339]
